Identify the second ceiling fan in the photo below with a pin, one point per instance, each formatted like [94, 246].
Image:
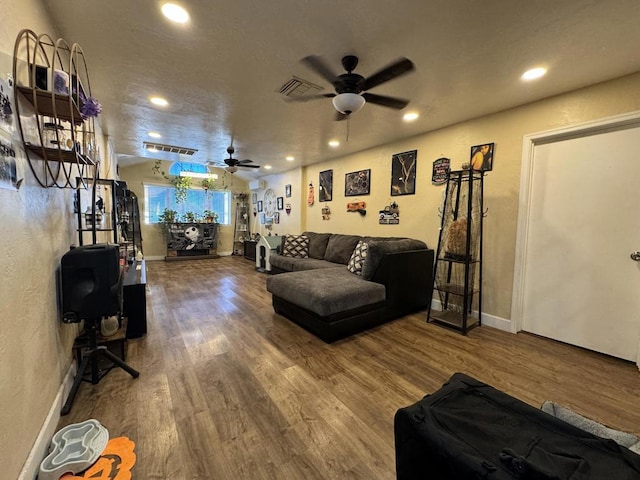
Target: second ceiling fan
[351, 88]
[232, 164]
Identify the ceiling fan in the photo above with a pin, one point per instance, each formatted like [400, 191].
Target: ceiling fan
[233, 164]
[351, 88]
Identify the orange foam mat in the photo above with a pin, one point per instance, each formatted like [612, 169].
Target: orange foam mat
[115, 463]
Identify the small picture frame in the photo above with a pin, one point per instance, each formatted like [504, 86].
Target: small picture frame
[259, 206]
[276, 217]
[280, 203]
[287, 191]
[326, 186]
[482, 157]
[357, 183]
[262, 218]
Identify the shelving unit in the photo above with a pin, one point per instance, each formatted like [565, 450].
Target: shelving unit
[458, 266]
[52, 83]
[96, 211]
[128, 218]
[241, 227]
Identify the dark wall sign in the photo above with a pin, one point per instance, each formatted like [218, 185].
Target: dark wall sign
[440, 171]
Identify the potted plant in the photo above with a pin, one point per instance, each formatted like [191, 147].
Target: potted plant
[210, 216]
[166, 218]
[190, 217]
[181, 186]
[208, 184]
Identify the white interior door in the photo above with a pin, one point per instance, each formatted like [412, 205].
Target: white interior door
[580, 285]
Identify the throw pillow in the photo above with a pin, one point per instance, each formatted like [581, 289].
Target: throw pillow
[357, 258]
[296, 246]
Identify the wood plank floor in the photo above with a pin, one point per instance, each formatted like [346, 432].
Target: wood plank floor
[230, 390]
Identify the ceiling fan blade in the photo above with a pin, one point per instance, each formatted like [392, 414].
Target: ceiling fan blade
[396, 69]
[247, 166]
[319, 66]
[244, 161]
[306, 98]
[385, 101]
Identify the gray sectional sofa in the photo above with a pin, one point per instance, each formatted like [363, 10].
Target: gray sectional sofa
[322, 295]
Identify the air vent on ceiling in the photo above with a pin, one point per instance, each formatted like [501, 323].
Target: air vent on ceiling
[297, 87]
[161, 147]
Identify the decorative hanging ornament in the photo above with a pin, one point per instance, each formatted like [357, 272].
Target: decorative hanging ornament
[310, 197]
[326, 213]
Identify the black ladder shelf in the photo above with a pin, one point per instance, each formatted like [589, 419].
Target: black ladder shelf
[458, 265]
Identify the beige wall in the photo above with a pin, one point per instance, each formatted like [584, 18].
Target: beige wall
[419, 212]
[153, 240]
[291, 223]
[37, 228]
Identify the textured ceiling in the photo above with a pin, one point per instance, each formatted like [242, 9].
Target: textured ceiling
[221, 72]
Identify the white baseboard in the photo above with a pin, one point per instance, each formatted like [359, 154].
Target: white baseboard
[40, 448]
[487, 319]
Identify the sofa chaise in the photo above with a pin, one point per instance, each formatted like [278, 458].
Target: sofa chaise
[335, 285]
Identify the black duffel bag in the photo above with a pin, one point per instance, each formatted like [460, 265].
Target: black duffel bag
[469, 430]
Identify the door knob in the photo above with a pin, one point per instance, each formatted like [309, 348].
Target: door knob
[635, 256]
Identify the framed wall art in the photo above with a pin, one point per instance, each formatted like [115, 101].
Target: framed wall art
[280, 203]
[287, 191]
[403, 173]
[482, 157]
[357, 183]
[259, 206]
[326, 186]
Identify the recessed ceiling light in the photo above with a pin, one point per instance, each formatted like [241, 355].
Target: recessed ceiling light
[290, 158]
[410, 117]
[175, 13]
[154, 135]
[159, 101]
[334, 143]
[534, 73]
[267, 167]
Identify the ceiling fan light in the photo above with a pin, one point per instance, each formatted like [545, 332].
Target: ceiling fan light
[233, 169]
[348, 103]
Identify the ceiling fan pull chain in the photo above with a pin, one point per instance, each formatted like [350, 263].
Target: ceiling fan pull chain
[348, 123]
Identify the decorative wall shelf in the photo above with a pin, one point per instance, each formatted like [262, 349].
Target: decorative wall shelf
[52, 81]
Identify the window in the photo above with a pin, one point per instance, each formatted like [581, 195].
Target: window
[178, 167]
[159, 197]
